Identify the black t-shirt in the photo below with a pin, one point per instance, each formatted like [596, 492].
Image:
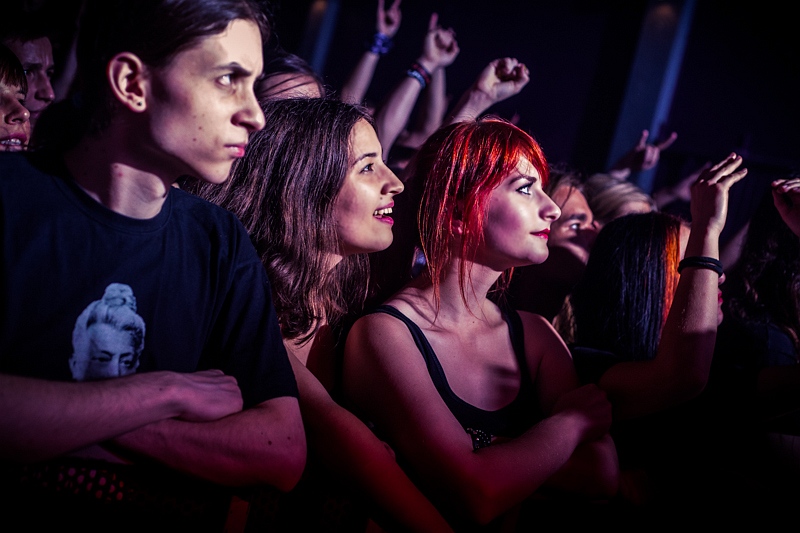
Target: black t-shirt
[87, 293]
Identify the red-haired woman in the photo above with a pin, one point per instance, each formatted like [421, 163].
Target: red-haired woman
[481, 403]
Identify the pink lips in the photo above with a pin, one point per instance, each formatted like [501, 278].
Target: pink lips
[385, 218]
[544, 234]
[237, 149]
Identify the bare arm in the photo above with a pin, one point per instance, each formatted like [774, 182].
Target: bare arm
[261, 445]
[387, 24]
[44, 419]
[440, 50]
[680, 369]
[349, 449]
[430, 114]
[499, 80]
[593, 469]
[355, 88]
[386, 377]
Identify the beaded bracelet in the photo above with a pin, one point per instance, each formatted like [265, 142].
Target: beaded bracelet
[699, 261]
[381, 44]
[419, 73]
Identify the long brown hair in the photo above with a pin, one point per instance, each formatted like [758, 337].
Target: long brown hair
[283, 190]
[766, 281]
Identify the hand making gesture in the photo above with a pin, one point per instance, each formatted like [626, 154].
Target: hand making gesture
[502, 78]
[786, 195]
[642, 156]
[388, 20]
[709, 204]
[440, 48]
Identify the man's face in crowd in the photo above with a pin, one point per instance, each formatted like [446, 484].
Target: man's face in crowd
[36, 57]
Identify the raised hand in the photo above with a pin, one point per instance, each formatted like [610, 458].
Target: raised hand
[502, 78]
[440, 48]
[644, 156]
[388, 20]
[786, 195]
[709, 203]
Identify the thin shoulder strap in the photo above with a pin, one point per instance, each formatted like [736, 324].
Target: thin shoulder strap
[416, 333]
[431, 360]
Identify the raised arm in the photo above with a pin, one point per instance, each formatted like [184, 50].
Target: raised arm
[44, 419]
[350, 450]
[499, 80]
[386, 26]
[440, 49]
[642, 156]
[429, 114]
[385, 376]
[264, 444]
[680, 369]
[786, 196]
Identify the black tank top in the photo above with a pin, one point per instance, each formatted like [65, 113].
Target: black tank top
[510, 420]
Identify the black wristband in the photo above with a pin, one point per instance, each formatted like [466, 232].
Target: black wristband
[699, 261]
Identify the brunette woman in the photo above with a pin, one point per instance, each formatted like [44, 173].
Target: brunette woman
[759, 342]
[646, 313]
[316, 197]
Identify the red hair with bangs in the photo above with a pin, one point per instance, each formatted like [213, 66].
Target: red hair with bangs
[458, 167]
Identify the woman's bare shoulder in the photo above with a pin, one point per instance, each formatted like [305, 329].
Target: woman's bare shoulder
[537, 322]
[541, 338]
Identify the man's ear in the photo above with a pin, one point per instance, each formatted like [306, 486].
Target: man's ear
[127, 76]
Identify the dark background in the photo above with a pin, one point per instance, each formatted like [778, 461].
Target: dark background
[737, 85]
[736, 90]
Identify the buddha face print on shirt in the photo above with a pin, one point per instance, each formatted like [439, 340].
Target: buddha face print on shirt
[108, 337]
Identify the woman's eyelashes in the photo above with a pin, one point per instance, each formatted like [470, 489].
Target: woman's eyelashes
[525, 189]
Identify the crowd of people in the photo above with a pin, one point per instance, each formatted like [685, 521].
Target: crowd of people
[237, 299]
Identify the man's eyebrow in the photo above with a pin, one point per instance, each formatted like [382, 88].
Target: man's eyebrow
[236, 68]
[578, 216]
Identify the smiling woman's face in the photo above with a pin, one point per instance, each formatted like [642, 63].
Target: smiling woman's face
[15, 126]
[363, 207]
